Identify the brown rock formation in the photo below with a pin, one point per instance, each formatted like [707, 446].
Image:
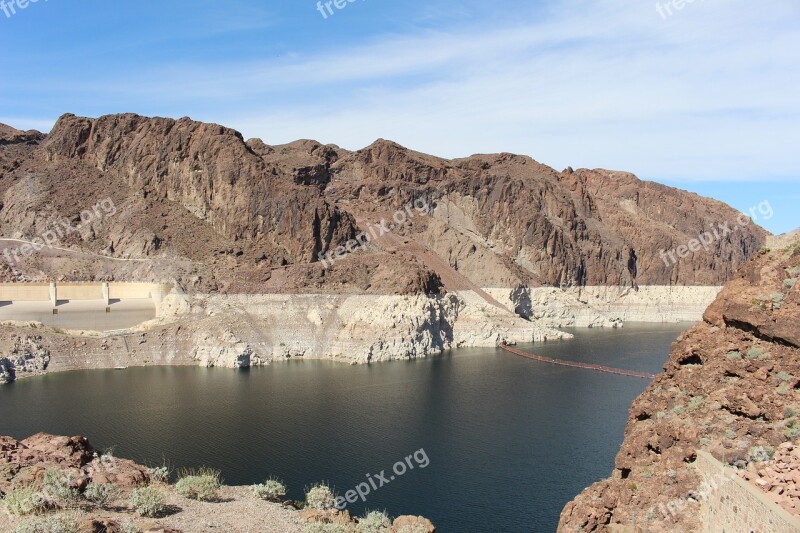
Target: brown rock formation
[24, 462]
[731, 386]
[212, 211]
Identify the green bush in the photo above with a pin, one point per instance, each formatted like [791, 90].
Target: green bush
[695, 402]
[25, 501]
[49, 524]
[201, 485]
[320, 497]
[271, 490]
[792, 429]
[374, 522]
[734, 355]
[129, 527]
[756, 353]
[789, 284]
[148, 501]
[159, 474]
[58, 486]
[760, 453]
[101, 493]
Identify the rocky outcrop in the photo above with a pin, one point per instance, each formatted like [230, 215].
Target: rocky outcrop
[26, 357]
[215, 213]
[731, 387]
[777, 473]
[211, 172]
[25, 462]
[238, 331]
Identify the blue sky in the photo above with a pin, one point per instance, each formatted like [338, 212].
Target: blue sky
[704, 98]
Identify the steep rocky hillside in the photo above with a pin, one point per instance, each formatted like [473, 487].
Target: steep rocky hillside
[731, 387]
[205, 207]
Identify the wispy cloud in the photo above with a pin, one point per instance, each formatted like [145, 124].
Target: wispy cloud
[707, 94]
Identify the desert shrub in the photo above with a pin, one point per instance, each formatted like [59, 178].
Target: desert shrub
[59, 523]
[24, 501]
[696, 401]
[792, 429]
[777, 297]
[101, 493]
[148, 501]
[789, 284]
[320, 497]
[705, 441]
[731, 434]
[374, 522]
[783, 389]
[756, 353]
[159, 474]
[201, 485]
[271, 489]
[322, 527]
[129, 527]
[784, 376]
[734, 355]
[58, 487]
[760, 453]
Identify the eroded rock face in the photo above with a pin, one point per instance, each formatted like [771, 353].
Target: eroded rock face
[24, 462]
[26, 356]
[731, 387]
[217, 213]
[212, 173]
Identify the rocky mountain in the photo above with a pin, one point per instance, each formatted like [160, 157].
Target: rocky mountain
[730, 387]
[210, 210]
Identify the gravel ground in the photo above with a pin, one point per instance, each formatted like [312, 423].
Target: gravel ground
[237, 511]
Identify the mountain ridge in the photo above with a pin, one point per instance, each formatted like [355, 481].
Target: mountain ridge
[202, 194]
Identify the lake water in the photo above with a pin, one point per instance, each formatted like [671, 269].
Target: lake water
[509, 440]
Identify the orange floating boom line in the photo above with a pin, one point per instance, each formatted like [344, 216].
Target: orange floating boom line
[574, 364]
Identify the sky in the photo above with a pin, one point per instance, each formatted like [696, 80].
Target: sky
[701, 95]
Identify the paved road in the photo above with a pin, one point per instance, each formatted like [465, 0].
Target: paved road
[85, 315]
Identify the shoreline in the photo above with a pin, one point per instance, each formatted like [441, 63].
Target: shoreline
[244, 330]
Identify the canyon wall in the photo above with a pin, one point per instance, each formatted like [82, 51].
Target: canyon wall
[731, 388]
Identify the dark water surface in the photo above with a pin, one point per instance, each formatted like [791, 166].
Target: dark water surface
[509, 440]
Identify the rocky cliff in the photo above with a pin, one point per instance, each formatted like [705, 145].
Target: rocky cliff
[206, 208]
[731, 387]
